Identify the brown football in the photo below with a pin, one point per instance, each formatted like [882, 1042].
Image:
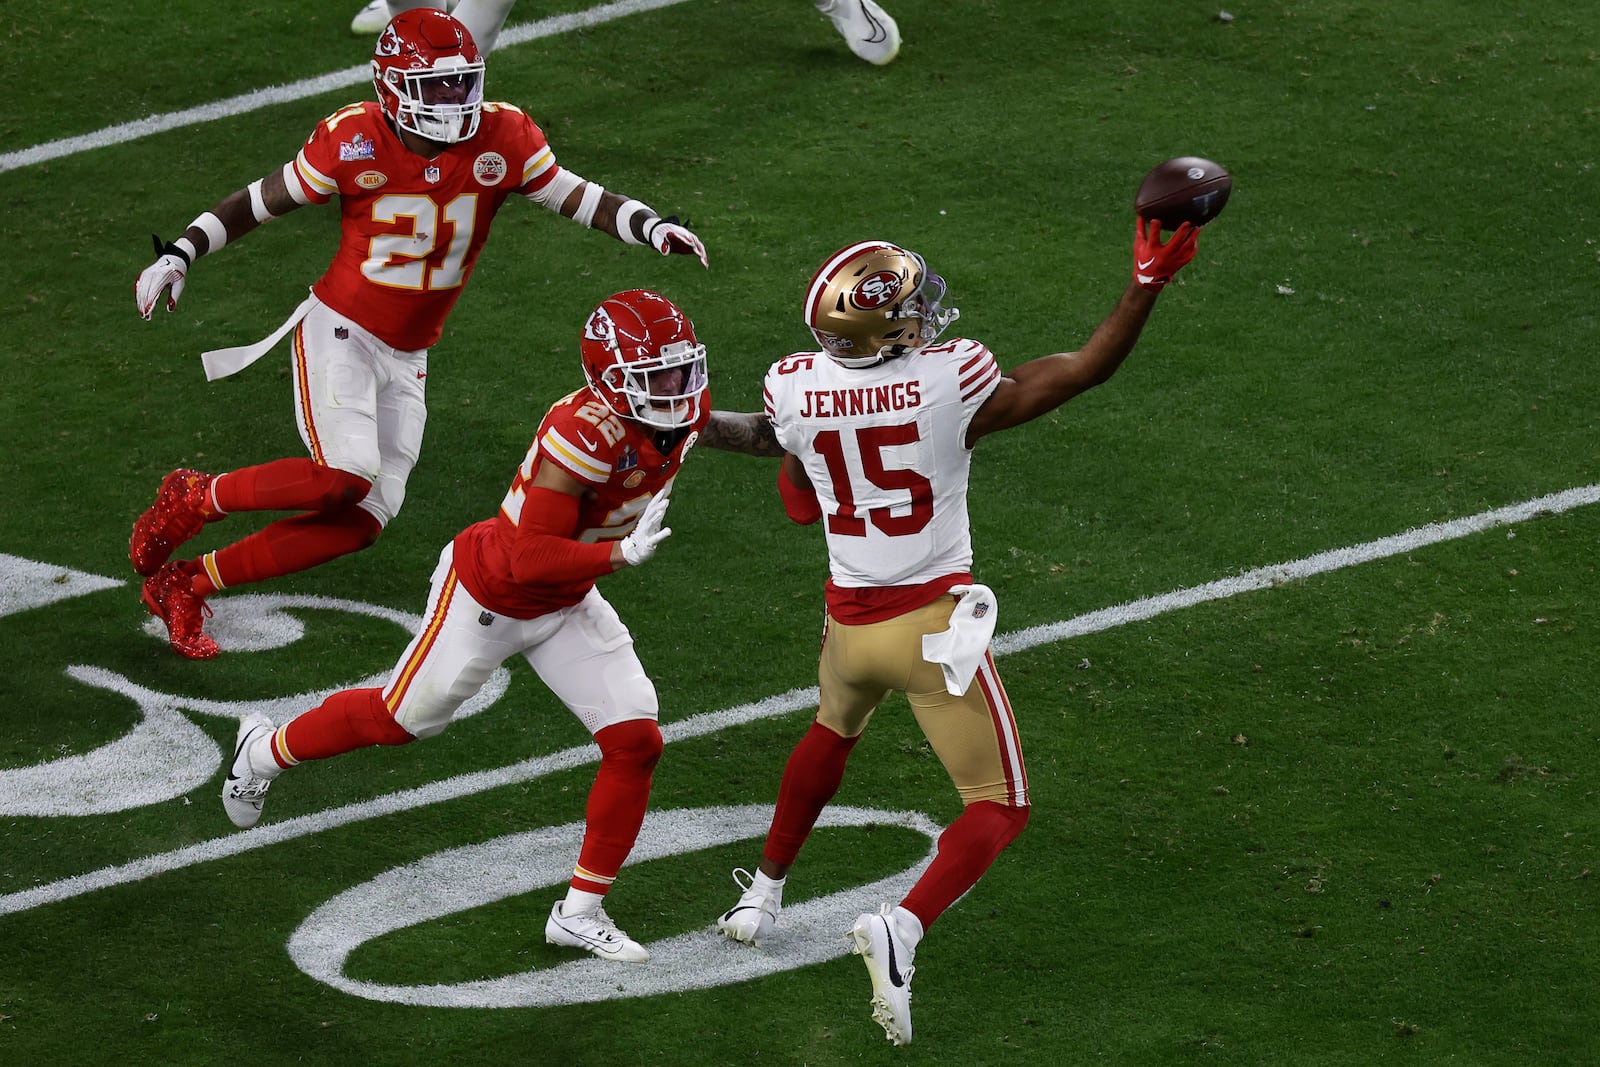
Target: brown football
[1186, 189]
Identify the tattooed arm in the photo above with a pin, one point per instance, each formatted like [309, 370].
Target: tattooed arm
[741, 431]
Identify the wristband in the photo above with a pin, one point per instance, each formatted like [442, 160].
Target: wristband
[801, 505]
[625, 215]
[216, 233]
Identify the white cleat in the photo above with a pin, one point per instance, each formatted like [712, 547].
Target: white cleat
[593, 932]
[876, 940]
[866, 27]
[371, 19]
[243, 791]
[756, 913]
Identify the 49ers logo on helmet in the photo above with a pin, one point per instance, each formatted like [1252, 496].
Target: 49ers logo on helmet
[876, 290]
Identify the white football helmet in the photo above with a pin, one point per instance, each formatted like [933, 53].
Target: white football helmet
[429, 75]
[872, 301]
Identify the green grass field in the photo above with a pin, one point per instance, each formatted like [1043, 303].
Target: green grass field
[1343, 816]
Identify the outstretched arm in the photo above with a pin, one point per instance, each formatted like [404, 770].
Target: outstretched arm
[624, 218]
[635, 223]
[749, 432]
[1044, 384]
[230, 219]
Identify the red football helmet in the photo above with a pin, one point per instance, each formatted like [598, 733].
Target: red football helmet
[872, 301]
[641, 357]
[429, 75]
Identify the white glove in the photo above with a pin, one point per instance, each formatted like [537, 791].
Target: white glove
[647, 536]
[668, 236]
[166, 273]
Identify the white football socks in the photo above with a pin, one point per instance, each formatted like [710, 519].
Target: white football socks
[909, 926]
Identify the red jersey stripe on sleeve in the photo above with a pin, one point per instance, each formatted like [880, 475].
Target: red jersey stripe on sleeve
[978, 386]
[978, 372]
[981, 355]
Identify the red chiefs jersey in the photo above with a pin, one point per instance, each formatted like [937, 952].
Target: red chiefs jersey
[620, 464]
[411, 227]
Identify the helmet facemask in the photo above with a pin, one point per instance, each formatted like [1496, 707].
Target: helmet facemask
[927, 304]
[443, 103]
[663, 392]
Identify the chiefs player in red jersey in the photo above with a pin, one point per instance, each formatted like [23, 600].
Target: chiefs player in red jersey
[419, 174]
[587, 500]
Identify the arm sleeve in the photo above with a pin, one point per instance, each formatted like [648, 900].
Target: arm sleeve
[800, 504]
[544, 551]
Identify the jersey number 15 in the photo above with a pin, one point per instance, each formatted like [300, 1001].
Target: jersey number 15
[869, 443]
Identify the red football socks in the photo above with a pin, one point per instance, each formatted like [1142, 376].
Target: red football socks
[966, 849]
[629, 752]
[810, 779]
[332, 525]
[287, 546]
[346, 721]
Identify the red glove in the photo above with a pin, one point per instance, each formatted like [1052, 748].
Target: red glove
[1155, 263]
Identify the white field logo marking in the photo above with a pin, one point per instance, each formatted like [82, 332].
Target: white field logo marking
[461, 878]
[166, 755]
[458, 879]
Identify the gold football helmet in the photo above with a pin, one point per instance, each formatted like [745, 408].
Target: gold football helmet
[872, 301]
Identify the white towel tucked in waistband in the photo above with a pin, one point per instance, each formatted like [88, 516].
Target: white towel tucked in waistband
[960, 649]
[221, 362]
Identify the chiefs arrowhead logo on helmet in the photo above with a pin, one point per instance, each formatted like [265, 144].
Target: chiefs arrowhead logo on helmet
[599, 328]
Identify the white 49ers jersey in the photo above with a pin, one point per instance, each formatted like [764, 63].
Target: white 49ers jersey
[885, 448]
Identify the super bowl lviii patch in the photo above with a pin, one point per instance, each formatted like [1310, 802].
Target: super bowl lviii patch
[357, 148]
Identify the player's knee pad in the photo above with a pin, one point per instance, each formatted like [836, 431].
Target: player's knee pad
[636, 742]
[383, 502]
[433, 729]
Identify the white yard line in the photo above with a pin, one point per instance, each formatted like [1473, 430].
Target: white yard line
[300, 90]
[793, 700]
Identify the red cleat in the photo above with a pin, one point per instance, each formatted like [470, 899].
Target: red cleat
[177, 515]
[171, 598]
